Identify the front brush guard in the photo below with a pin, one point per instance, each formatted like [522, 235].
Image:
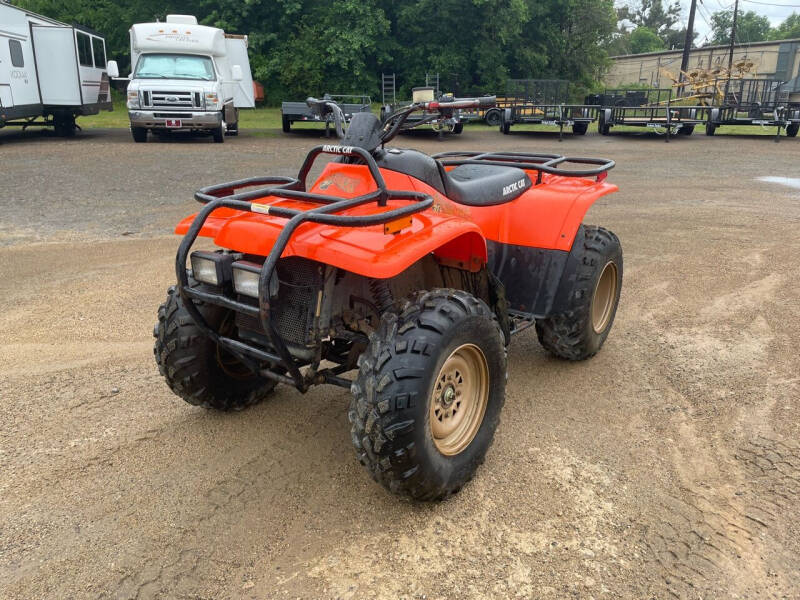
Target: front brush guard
[224, 195]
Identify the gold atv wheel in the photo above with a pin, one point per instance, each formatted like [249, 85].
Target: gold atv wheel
[427, 398]
[604, 298]
[458, 400]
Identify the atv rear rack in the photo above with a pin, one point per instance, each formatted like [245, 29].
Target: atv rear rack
[225, 195]
[541, 163]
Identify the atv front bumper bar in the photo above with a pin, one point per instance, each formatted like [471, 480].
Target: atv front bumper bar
[225, 196]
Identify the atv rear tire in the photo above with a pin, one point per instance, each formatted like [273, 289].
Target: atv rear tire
[195, 368]
[591, 298]
[791, 129]
[427, 398]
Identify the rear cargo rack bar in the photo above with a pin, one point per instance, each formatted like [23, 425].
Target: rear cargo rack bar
[224, 195]
[542, 163]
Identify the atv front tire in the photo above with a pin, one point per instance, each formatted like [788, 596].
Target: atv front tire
[198, 370]
[427, 398]
[591, 297]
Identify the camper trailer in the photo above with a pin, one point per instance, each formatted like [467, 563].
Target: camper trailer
[187, 77]
[50, 72]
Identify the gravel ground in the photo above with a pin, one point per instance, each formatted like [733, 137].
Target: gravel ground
[668, 466]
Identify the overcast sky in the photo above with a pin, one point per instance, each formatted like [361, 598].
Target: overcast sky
[776, 12]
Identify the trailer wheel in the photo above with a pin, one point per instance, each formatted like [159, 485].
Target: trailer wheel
[64, 125]
[493, 117]
[791, 129]
[711, 129]
[602, 127]
[218, 133]
[195, 368]
[139, 134]
[505, 127]
[580, 128]
[427, 398]
[686, 130]
[591, 298]
[287, 124]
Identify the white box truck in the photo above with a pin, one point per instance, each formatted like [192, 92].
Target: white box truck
[50, 72]
[187, 77]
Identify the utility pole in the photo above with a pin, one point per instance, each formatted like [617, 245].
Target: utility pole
[687, 44]
[733, 35]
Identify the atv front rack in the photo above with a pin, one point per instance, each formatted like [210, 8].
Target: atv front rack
[225, 195]
[541, 163]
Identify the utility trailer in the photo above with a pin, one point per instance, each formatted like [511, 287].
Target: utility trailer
[762, 102]
[540, 102]
[50, 72]
[350, 104]
[653, 108]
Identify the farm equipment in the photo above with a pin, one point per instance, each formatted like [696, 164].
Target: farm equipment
[408, 271]
[350, 104]
[652, 108]
[541, 102]
[447, 118]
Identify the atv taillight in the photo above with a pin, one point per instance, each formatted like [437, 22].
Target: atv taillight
[602, 176]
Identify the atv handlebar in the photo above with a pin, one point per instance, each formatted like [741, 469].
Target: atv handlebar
[482, 102]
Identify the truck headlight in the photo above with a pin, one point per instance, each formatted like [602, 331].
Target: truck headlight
[212, 100]
[133, 99]
[212, 267]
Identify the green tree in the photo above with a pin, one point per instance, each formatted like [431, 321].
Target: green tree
[644, 39]
[652, 14]
[750, 27]
[789, 29]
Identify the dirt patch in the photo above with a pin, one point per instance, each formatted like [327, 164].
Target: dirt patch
[665, 467]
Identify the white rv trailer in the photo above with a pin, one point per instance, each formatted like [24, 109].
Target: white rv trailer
[187, 77]
[50, 72]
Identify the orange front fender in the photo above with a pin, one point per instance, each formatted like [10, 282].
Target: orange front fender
[368, 251]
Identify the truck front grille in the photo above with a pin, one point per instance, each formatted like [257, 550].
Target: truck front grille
[172, 100]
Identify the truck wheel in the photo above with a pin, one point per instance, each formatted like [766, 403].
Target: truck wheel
[711, 129]
[580, 128]
[791, 129]
[139, 134]
[591, 298]
[287, 124]
[218, 133]
[493, 117]
[195, 368]
[427, 398]
[233, 129]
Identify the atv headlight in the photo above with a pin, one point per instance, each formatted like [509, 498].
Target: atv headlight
[245, 278]
[133, 99]
[211, 267]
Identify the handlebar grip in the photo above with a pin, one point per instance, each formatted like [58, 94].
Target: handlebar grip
[487, 101]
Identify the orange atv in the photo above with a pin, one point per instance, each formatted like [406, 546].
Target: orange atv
[413, 271]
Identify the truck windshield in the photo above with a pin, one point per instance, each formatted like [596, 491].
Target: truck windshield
[174, 66]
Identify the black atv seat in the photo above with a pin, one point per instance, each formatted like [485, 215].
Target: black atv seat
[485, 185]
